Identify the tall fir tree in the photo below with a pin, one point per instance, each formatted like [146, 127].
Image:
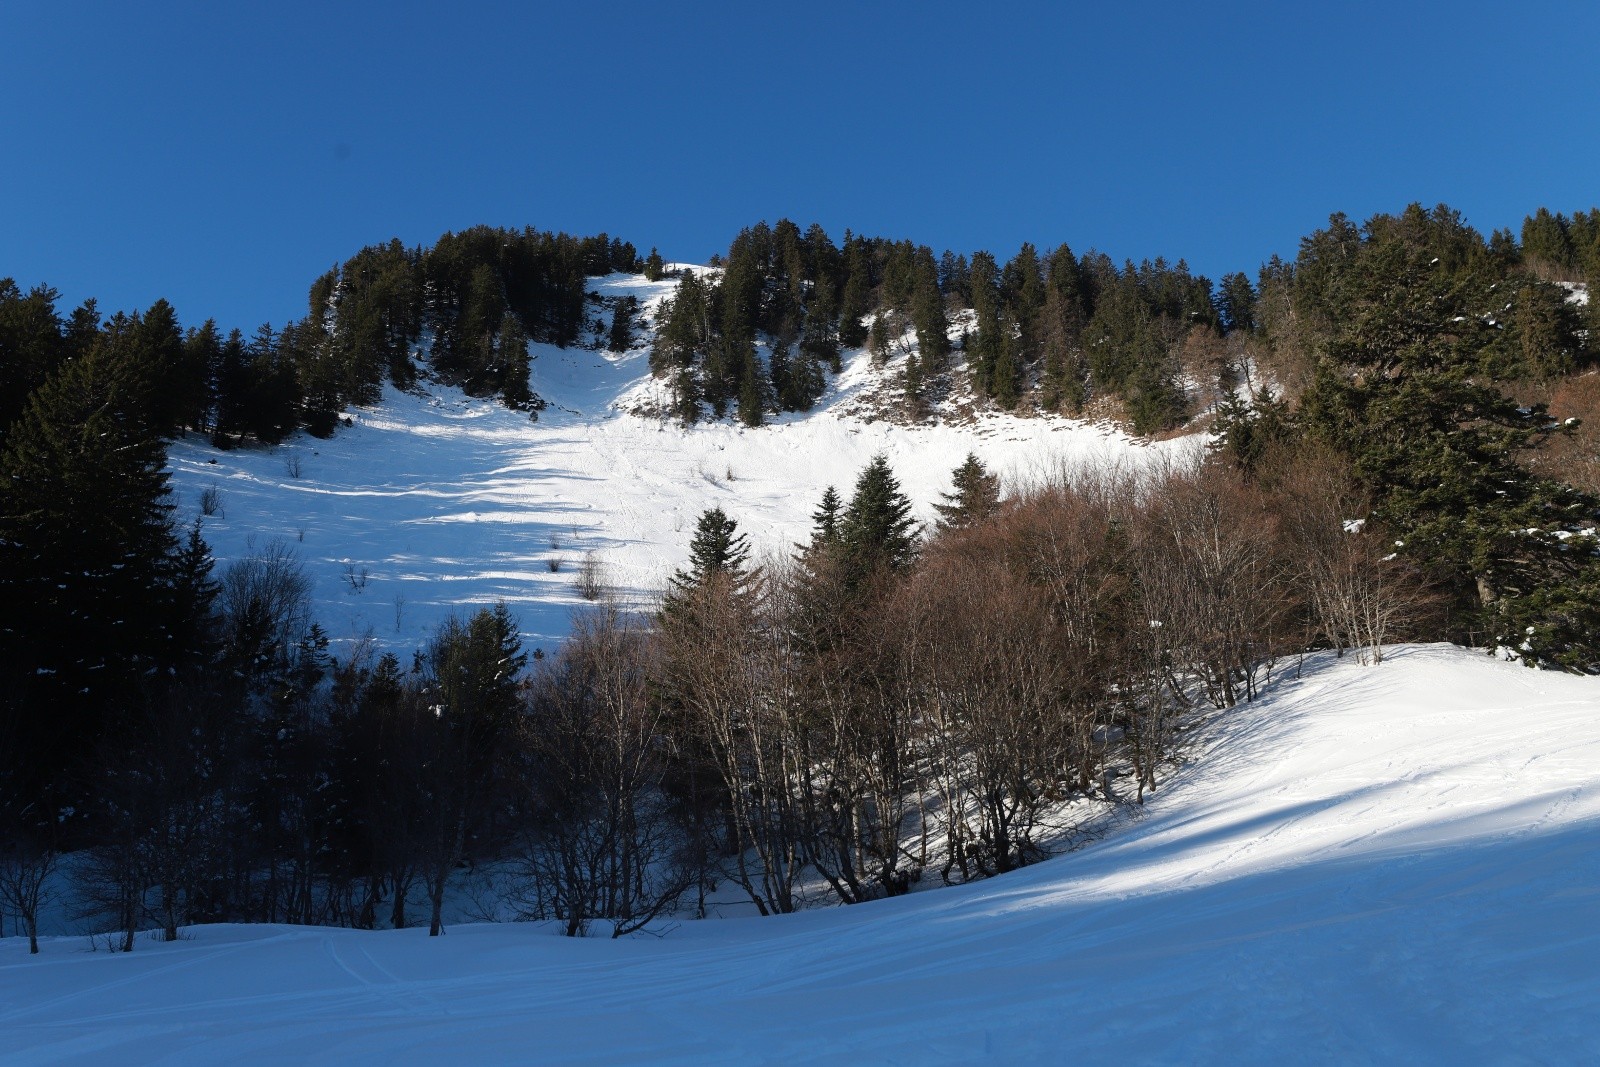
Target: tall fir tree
[87, 551]
[976, 497]
[718, 555]
[877, 529]
[514, 366]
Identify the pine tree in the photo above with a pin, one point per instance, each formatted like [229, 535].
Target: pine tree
[976, 497]
[87, 551]
[202, 355]
[1005, 384]
[230, 391]
[1246, 431]
[1410, 307]
[1236, 302]
[31, 344]
[621, 337]
[819, 339]
[194, 624]
[877, 528]
[473, 673]
[878, 339]
[155, 341]
[309, 350]
[1547, 238]
[271, 405]
[1023, 294]
[752, 395]
[825, 523]
[983, 349]
[514, 366]
[654, 268]
[928, 318]
[855, 299]
[718, 554]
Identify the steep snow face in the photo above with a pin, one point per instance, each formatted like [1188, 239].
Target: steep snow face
[437, 503]
[1384, 864]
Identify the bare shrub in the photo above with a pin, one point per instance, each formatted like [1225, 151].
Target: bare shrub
[356, 576]
[719, 664]
[265, 599]
[1363, 594]
[591, 582]
[995, 699]
[211, 501]
[27, 862]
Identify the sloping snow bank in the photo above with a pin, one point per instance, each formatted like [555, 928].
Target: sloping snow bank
[1388, 864]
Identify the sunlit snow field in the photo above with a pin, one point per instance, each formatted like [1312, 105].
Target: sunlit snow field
[449, 503]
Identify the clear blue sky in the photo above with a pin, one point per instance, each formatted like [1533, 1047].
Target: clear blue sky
[223, 155]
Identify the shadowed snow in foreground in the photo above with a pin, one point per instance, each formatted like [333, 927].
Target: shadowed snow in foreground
[1384, 864]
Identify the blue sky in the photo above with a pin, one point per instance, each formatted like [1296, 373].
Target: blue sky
[223, 156]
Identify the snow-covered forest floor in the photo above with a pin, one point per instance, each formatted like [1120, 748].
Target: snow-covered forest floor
[1370, 864]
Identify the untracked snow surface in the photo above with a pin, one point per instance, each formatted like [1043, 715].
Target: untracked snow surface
[1395, 864]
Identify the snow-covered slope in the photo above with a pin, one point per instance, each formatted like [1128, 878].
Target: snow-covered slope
[449, 503]
[1371, 865]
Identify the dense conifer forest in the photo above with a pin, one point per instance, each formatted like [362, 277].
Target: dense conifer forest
[1405, 447]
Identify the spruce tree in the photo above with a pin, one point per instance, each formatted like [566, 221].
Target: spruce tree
[1236, 303]
[719, 554]
[1005, 384]
[87, 551]
[654, 268]
[514, 366]
[878, 339]
[975, 499]
[621, 337]
[825, 523]
[752, 394]
[928, 318]
[983, 349]
[31, 344]
[877, 528]
[1411, 307]
[855, 299]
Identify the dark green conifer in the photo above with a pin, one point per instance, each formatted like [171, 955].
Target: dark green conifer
[87, 551]
[718, 551]
[825, 529]
[877, 528]
[976, 497]
[621, 337]
[514, 367]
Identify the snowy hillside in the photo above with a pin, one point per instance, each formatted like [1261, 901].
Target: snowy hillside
[1385, 864]
[437, 503]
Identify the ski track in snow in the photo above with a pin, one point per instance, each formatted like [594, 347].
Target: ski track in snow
[1368, 865]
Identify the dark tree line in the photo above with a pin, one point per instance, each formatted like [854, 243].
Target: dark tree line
[1048, 332]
